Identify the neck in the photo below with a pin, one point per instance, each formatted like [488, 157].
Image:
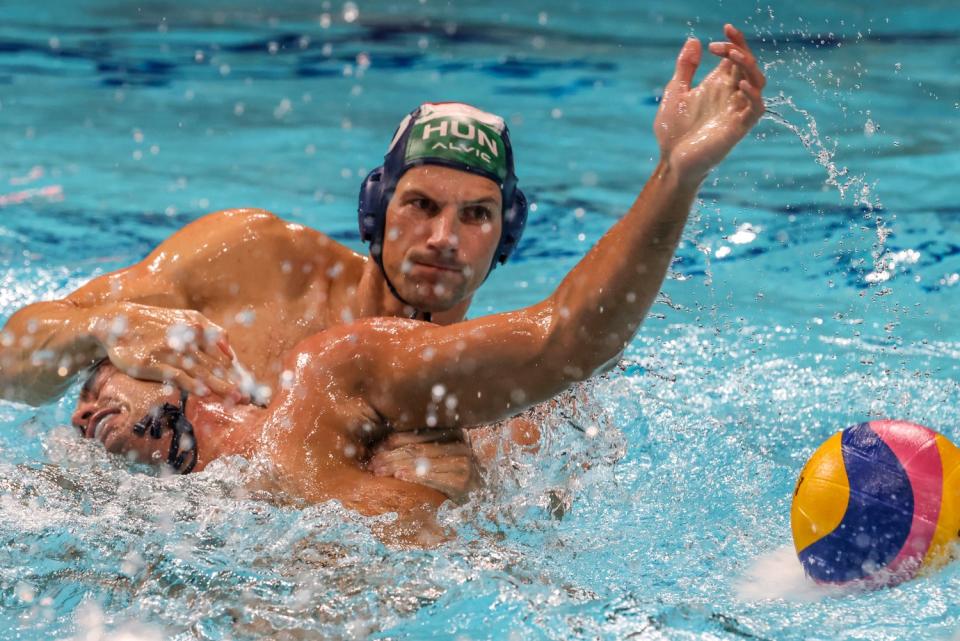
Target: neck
[222, 431]
[374, 298]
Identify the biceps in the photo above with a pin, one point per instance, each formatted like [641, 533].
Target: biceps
[471, 373]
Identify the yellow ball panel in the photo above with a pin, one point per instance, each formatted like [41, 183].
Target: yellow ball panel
[821, 496]
[948, 524]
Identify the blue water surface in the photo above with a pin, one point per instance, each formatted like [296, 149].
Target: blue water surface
[816, 287]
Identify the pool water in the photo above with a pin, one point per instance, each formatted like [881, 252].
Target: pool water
[816, 287]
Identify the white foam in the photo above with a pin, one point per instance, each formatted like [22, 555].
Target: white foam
[778, 575]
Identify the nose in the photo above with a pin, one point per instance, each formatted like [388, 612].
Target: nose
[82, 414]
[444, 228]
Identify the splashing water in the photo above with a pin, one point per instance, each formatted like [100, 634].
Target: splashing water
[809, 136]
[837, 176]
[723, 398]
[579, 446]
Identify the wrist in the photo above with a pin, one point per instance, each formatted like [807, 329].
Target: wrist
[678, 176]
[100, 328]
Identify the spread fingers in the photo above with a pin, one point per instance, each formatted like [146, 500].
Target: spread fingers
[743, 59]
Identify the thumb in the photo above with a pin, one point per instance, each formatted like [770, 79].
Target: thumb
[687, 62]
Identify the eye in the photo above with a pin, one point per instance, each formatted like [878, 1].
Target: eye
[423, 204]
[478, 214]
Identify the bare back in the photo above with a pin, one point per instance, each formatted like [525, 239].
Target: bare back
[267, 282]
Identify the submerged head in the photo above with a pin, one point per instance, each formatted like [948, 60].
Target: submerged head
[443, 209]
[131, 417]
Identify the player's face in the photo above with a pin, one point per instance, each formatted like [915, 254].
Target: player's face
[111, 403]
[443, 226]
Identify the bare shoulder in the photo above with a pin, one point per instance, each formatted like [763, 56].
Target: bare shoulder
[243, 245]
[351, 343]
[242, 225]
[249, 234]
[346, 354]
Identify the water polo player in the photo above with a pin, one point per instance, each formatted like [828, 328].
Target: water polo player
[439, 214]
[348, 387]
[443, 210]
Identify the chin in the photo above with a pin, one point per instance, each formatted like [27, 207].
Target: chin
[422, 297]
[432, 304]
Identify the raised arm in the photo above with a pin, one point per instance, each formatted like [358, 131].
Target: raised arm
[128, 315]
[481, 371]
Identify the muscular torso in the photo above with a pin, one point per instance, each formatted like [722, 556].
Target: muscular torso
[276, 286]
[271, 310]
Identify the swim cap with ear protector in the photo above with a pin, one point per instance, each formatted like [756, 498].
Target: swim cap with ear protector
[450, 134]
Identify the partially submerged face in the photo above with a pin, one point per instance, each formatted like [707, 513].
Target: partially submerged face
[443, 227]
[111, 403]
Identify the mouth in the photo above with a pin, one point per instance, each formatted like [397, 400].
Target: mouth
[98, 422]
[443, 267]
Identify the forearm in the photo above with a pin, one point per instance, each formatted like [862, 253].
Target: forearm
[484, 370]
[42, 347]
[604, 299]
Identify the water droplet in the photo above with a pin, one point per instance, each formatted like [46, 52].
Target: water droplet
[422, 467]
[350, 12]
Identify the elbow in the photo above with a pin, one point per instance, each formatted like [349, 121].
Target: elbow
[575, 370]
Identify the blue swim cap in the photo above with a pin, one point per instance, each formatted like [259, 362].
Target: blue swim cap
[451, 134]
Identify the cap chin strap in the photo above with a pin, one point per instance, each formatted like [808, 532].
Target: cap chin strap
[175, 418]
[427, 316]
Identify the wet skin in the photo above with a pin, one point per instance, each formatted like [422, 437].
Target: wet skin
[270, 283]
[313, 451]
[274, 284]
[246, 280]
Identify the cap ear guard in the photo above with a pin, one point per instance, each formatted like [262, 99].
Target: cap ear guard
[379, 184]
[514, 222]
[371, 212]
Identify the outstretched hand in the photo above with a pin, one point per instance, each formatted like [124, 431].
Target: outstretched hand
[697, 127]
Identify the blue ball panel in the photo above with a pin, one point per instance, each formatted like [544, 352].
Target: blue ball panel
[878, 517]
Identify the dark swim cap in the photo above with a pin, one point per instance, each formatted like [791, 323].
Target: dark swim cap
[450, 134]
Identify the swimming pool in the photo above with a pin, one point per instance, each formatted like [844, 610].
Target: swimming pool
[816, 287]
